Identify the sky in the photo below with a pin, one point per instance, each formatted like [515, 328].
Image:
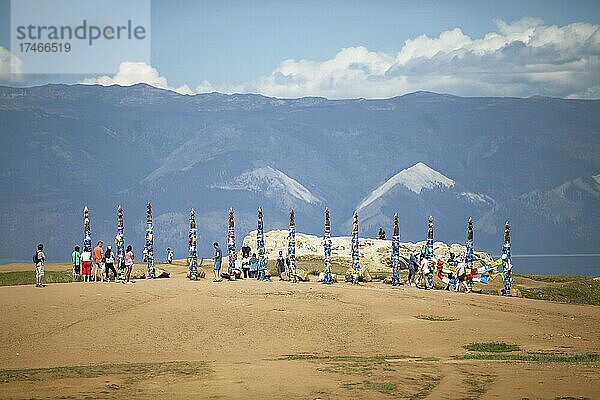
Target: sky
[349, 49]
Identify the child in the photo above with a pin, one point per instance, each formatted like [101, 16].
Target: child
[86, 264]
[76, 260]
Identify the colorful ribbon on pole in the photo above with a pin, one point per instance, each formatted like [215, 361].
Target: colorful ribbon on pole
[193, 240]
[328, 276]
[260, 246]
[506, 258]
[87, 233]
[355, 253]
[120, 244]
[395, 257]
[231, 253]
[149, 243]
[292, 247]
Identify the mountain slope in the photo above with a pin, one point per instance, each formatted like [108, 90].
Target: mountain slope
[63, 147]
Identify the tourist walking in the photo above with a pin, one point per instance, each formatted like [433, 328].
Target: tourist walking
[98, 261]
[450, 262]
[129, 257]
[217, 258]
[86, 264]
[76, 261]
[109, 263]
[39, 259]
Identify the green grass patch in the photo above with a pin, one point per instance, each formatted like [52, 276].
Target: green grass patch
[314, 357]
[137, 371]
[381, 387]
[429, 382]
[531, 357]
[551, 278]
[492, 347]
[435, 318]
[581, 291]
[14, 278]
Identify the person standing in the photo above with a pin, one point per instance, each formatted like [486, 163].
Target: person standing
[253, 266]
[86, 264]
[39, 259]
[281, 262]
[76, 261]
[109, 263]
[412, 266]
[246, 266]
[98, 261]
[129, 257]
[217, 258]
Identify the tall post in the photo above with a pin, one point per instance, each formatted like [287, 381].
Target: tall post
[149, 242]
[260, 246]
[507, 262]
[328, 279]
[193, 239]
[469, 244]
[396, 253]
[429, 244]
[87, 233]
[292, 247]
[355, 254]
[120, 243]
[232, 255]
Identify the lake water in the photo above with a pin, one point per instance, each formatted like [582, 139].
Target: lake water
[557, 264]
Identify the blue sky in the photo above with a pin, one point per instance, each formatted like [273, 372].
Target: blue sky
[240, 45]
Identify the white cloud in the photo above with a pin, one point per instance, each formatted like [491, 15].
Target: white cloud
[11, 67]
[523, 58]
[131, 73]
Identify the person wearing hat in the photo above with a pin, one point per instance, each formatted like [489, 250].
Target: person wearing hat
[109, 263]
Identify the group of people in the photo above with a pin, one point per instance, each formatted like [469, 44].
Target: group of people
[248, 267]
[95, 265]
[421, 271]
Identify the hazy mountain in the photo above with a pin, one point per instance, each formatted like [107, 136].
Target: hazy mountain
[63, 147]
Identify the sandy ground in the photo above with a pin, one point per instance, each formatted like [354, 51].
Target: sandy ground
[231, 340]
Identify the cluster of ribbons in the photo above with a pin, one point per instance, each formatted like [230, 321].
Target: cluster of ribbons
[292, 247]
[355, 252]
[87, 233]
[483, 274]
[193, 255]
[120, 243]
[260, 246]
[395, 257]
[149, 246]
[328, 278]
[232, 256]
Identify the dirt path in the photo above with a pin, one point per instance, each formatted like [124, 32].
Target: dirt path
[230, 340]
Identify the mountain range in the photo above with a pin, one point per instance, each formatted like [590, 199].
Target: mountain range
[533, 161]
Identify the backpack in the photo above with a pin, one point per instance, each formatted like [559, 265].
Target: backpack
[36, 258]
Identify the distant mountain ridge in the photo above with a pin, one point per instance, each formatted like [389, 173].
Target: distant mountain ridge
[533, 161]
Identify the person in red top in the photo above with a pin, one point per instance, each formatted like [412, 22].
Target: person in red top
[98, 261]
